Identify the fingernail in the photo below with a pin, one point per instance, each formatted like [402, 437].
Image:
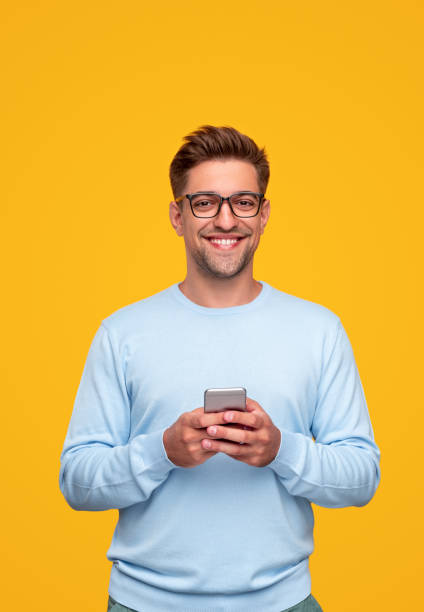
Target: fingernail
[229, 416]
[212, 431]
[207, 443]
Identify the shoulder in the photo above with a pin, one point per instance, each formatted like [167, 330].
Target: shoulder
[137, 316]
[301, 311]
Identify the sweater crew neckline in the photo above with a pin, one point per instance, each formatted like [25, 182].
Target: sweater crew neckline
[228, 310]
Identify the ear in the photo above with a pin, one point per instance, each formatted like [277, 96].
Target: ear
[264, 213]
[176, 218]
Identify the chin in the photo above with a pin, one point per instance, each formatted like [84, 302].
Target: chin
[222, 271]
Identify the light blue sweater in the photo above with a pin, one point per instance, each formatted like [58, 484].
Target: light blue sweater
[223, 536]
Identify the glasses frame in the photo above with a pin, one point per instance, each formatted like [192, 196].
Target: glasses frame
[189, 197]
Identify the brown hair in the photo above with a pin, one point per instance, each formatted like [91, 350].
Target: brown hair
[209, 143]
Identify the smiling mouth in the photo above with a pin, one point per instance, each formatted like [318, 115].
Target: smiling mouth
[225, 243]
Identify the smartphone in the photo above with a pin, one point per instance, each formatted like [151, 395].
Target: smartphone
[219, 400]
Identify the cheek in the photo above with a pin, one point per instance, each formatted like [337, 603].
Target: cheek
[191, 234]
[257, 232]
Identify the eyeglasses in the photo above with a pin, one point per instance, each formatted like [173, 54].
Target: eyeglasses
[206, 204]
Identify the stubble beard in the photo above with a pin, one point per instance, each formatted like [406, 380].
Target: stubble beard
[222, 267]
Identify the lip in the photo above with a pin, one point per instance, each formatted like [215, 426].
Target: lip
[223, 236]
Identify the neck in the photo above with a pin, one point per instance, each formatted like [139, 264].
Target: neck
[215, 292]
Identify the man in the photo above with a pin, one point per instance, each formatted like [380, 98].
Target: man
[215, 508]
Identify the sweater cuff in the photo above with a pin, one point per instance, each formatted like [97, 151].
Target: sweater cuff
[149, 455]
[290, 455]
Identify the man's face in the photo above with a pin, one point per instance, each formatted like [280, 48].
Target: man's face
[220, 260]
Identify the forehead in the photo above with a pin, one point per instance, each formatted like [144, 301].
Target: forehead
[224, 176]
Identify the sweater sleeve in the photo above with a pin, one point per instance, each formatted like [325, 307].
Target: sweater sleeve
[100, 468]
[342, 467]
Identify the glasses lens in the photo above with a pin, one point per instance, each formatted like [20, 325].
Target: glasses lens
[205, 204]
[245, 204]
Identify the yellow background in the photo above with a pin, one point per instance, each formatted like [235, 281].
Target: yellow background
[96, 99]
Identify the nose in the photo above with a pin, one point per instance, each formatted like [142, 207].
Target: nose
[225, 218]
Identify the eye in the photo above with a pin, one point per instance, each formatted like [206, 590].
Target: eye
[244, 202]
[203, 203]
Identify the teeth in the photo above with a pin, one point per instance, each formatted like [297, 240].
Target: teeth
[216, 241]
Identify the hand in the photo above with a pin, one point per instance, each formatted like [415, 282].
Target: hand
[256, 447]
[182, 441]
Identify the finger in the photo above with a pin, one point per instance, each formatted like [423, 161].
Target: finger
[199, 419]
[207, 451]
[244, 418]
[229, 433]
[230, 448]
[237, 426]
[253, 405]
[198, 434]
